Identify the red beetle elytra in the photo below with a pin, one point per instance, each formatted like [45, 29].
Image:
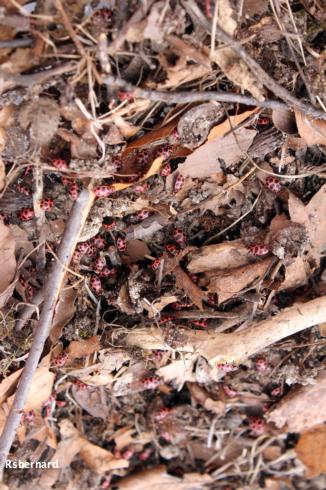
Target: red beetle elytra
[273, 184]
[96, 284]
[141, 188]
[178, 183]
[180, 237]
[162, 413]
[200, 323]
[226, 367]
[257, 425]
[80, 385]
[155, 264]
[76, 257]
[108, 272]
[121, 244]
[166, 170]
[73, 190]
[23, 190]
[165, 152]
[110, 226]
[230, 392]
[117, 162]
[47, 204]
[143, 214]
[26, 214]
[29, 416]
[99, 264]
[165, 319]
[151, 383]
[60, 361]
[103, 190]
[92, 251]
[258, 249]
[59, 163]
[261, 365]
[83, 247]
[142, 159]
[122, 95]
[172, 249]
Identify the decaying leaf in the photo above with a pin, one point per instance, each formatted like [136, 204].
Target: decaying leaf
[229, 283]
[91, 401]
[179, 371]
[194, 125]
[300, 409]
[82, 348]
[64, 311]
[313, 131]
[312, 216]
[227, 150]
[157, 306]
[136, 251]
[158, 478]
[189, 287]
[2, 175]
[202, 397]
[7, 258]
[311, 450]
[42, 117]
[284, 120]
[225, 255]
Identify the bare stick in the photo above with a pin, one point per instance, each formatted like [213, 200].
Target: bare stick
[53, 287]
[70, 29]
[238, 346]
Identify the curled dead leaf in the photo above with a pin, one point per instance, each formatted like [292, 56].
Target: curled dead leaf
[313, 131]
[7, 259]
[284, 120]
[82, 348]
[311, 450]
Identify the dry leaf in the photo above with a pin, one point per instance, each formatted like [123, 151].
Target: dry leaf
[82, 348]
[284, 120]
[229, 124]
[190, 288]
[195, 124]
[225, 255]
[179, 371]
[311, 450]
[159, 305]
[158, 478]
[7, 259]
[296, 274]
[312, 216]
[136, 251]
[301, 408]
[206, 160]
[202, 397]
[64, 311]
[313, 131]
[230, 283]
[42, 117]
[91, 401]
[2, 174]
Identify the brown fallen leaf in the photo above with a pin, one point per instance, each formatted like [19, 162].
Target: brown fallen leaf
[301, 408]
[311, 450]
[229, 283]
[189, 287]
[91, 401]
[42, 117]
[284, 120]
[312, 216]
[225, 255]
[158, 478]
[202, 397]
[2, 174]
[179, 371]
[157, 306]
[64, 311]
[7, 257]
[136, 251]
[82, 348]
[313, 131]
[206, 160]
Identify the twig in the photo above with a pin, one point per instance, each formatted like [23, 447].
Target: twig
[238, 346]
[54, 284]
[70, 29]
[256, 69]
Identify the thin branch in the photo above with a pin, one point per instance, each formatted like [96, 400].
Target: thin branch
[66, 22]
[53, 287]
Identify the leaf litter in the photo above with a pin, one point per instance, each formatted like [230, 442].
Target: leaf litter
[187, 345]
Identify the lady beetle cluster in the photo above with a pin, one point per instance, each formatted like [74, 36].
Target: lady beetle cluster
[258, 249]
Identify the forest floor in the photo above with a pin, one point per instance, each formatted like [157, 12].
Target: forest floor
[162, 244]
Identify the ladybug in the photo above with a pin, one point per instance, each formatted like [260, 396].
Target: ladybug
[276, 391]
[142, 159]
[80, 385]
[99, 242]
[261, 365]
[73, 190]
[60, 361]
[200, 323]
[178, 183]
[26, 214]
[103, 190]
[107, 272]
[257, 425]
[175, 136]
[117, 162]
[28, 170]
[128, 454]
[109, 226]
[166, 170]
[141, 188]
[258, 249]
[273, 184]
[180, 237]
[145, 455]
[59, 164]
[30, 292]
[121, 244]
[23, 190]
[226, 367]
[96, 284]
[29, 416]
[162, 413]
[46, 204]
[229, 392]
[165, 152]
[151, 383]
[83, 247]
[165, 319]
[123, 95]
[172, 249]
[143, 214]
[99, 264]
[92, 251]
[263, 121]
[156, 264]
